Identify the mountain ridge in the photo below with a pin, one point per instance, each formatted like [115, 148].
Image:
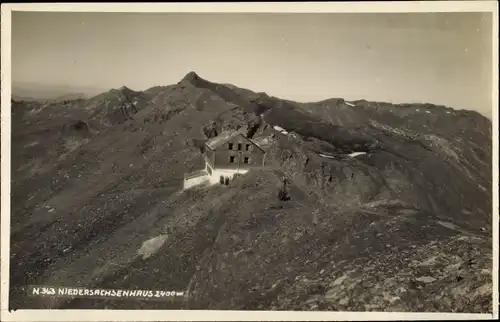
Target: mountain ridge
[193, 77]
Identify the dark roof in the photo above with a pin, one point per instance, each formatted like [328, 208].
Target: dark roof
[224, 136]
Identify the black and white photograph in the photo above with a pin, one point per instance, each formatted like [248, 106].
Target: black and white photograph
[250, 160]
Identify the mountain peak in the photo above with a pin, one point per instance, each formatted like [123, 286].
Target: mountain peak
[191, 76]
[125, 89]
[122, 89]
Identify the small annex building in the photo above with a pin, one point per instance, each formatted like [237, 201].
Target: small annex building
[227, 155]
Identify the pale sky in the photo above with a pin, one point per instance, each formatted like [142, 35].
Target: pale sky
[439, 58]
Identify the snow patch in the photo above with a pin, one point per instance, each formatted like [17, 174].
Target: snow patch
[262, 140]
[448, 225]
[350, 104]
[428, 112]
[326, 156]
[31, 144]
[280, 129]
[426, 279]
[151, 246]
[355, 154]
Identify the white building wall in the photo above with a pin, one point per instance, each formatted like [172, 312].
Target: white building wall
[212, 179]
[215, 177]
[191, 182]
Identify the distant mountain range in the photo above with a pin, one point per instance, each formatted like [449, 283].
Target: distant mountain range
[40, 92]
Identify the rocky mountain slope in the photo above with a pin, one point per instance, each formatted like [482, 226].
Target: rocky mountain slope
[390, 205]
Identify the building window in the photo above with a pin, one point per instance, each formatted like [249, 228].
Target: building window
[246, 160]
[230, 146]
[247, 147]
[239, 146]
[231, 159]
